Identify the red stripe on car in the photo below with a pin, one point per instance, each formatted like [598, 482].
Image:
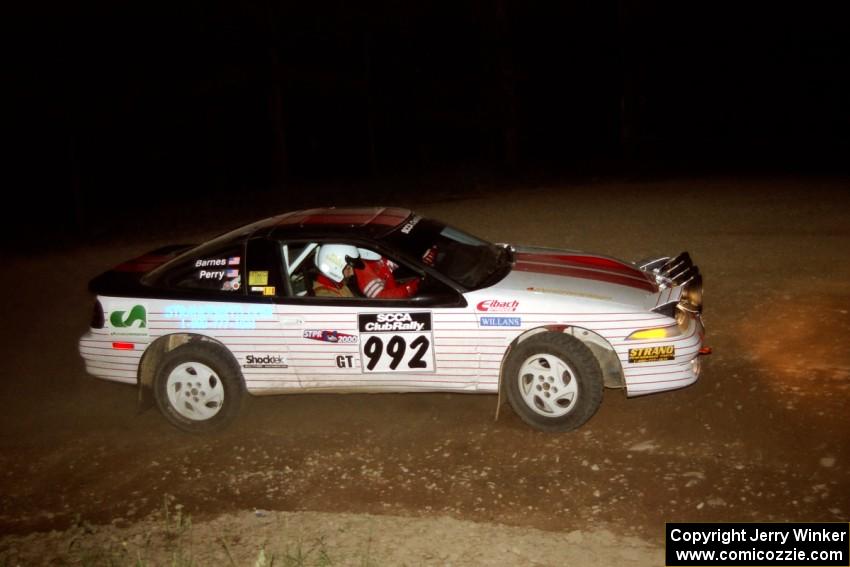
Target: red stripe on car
[578, 260]
[586, 274]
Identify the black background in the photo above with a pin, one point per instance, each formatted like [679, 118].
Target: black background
[122, 109]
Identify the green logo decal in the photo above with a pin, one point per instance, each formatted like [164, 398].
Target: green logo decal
[120, 319]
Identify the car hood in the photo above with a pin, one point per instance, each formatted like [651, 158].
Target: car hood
[577, 277]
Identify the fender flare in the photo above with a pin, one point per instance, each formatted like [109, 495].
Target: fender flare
[606, 356]
[152, 356]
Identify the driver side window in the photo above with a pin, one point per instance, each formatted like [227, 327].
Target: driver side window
[298, 258]
[338, 270]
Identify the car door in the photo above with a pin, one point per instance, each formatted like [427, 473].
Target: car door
[262, 351]
[357, 343]
[321, 335]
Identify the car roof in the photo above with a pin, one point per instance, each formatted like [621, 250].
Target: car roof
[370, 222]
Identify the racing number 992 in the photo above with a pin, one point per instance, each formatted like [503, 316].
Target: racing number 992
[396, 349]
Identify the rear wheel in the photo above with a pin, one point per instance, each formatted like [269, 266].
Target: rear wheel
[198, 388]
[553, 382]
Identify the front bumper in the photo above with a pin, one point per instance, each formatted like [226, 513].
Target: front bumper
[643, 378]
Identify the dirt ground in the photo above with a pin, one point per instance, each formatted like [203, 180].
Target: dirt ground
[763, 436]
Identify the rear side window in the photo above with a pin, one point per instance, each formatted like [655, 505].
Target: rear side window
[211, 271]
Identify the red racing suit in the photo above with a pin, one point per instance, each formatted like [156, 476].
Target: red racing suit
[375, 279]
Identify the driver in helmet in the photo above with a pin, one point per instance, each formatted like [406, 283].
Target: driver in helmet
[374, 274]
[375, 277]
[334, 262]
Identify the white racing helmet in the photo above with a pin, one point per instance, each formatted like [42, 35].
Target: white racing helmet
[368, 254]
[331, 259]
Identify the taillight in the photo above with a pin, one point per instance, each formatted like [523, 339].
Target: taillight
[97, 320]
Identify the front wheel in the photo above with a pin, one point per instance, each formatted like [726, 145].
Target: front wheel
[198, 388]
[553, 382]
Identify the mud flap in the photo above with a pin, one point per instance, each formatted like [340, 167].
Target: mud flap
[498, 400]
[145, 400]
[501, 385]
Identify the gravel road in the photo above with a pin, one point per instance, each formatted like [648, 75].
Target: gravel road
[763, 436]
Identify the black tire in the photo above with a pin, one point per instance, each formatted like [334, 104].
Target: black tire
[558, 401]
[209, 403]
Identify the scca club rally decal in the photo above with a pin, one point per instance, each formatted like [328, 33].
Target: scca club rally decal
[496, 306]
[652, 354]
[330, 336]
[398, 341]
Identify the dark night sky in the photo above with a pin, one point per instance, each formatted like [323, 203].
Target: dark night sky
[112, 99]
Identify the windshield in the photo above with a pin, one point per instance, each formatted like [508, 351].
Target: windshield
[465, 259]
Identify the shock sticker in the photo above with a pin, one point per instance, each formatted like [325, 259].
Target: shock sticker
[652, 354]
[263, 360]
[396, 342]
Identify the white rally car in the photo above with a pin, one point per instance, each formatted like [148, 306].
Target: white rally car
[196, 327]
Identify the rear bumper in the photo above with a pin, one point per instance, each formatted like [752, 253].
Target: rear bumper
[104, 361]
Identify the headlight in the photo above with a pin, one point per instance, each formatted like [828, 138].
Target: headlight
[683, 319]
[656, 333]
